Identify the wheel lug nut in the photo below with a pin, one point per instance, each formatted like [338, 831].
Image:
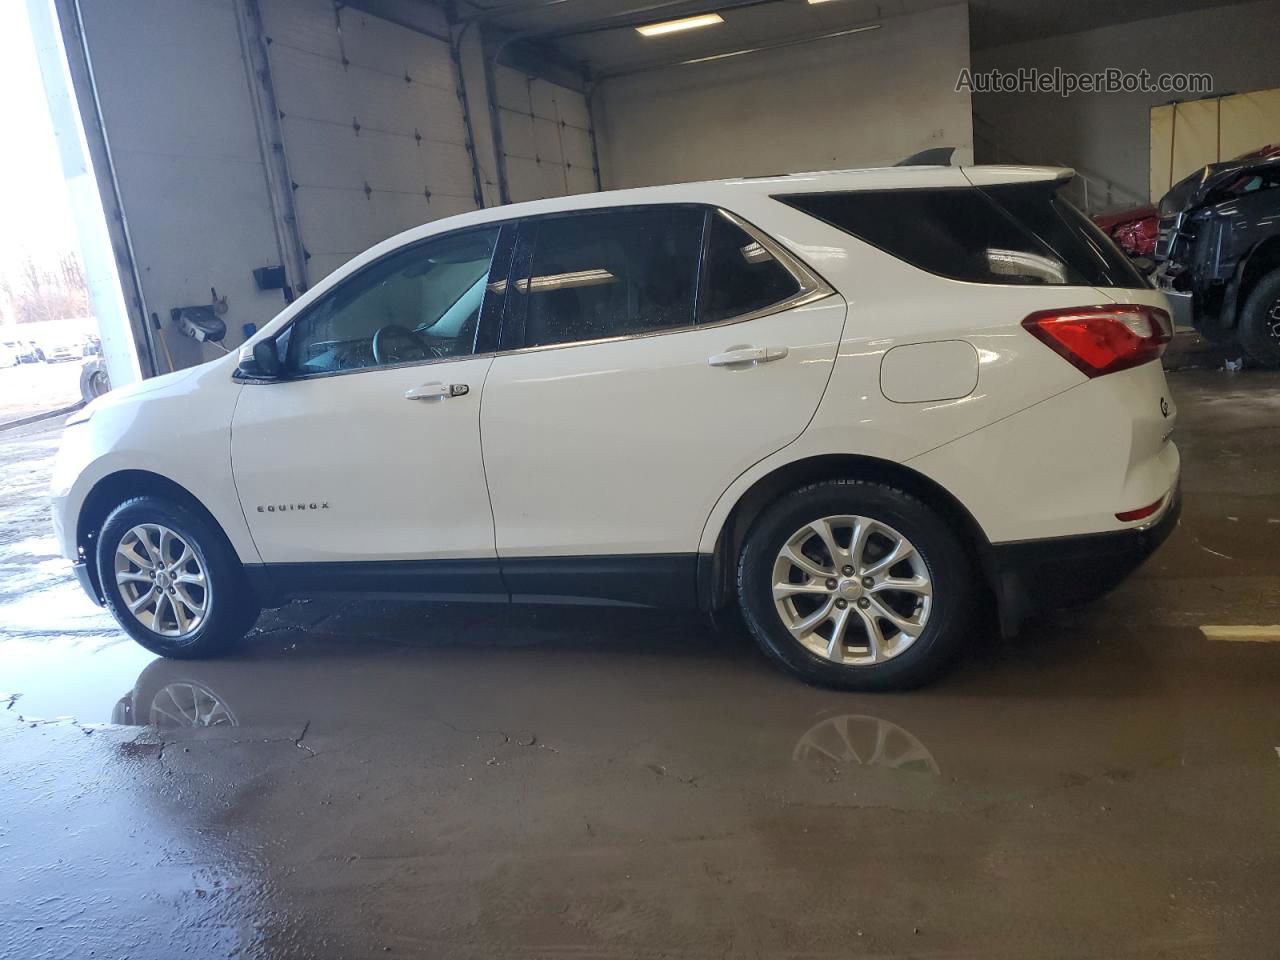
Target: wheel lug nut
[868, 582]
[847, 571]
[864, 603]
[831, 584]
[841, 604]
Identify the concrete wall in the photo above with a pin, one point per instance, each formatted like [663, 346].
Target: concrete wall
[862, 100]
[1107, 135]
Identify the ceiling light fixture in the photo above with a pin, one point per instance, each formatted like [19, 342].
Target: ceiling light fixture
[685, 23]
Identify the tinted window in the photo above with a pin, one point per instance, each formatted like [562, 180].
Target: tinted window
[741, 276]
[1016, 234]
[422, 303]
[1074, 238]
[611, 274]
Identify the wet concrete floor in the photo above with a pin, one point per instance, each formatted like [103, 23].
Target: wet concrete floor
[372, 779]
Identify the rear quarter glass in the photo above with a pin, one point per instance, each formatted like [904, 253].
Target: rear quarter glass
[1017, 234]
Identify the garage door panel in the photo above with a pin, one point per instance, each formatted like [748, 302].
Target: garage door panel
[577, 147]
[191, 181]
[442, 205]
[581, 179]
[162, 85]
[340, 221]
[530, 180]
[546, 138]
[383, 100]
[321, 265]
[375, 152]
[573, 110]
[302, 24]
[376, 44]
[512, 89]
[523, 180]
[323, 154]
[434, 113]
[445, 169]
[308, 85]
[392, 213]
[557, 103]
[217, 200]
[518, 138]
[392, 162]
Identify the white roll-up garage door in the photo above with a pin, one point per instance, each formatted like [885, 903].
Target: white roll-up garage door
[546, 137]
[373, 126]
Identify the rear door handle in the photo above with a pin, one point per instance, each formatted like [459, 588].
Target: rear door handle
[745, 355]
[437, 391]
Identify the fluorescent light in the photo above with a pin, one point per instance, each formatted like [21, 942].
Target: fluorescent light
[685, 23]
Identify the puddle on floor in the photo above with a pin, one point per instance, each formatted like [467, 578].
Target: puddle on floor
[76, 676]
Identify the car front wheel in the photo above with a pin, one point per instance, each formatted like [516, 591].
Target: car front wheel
[172, 580]
[856, 585]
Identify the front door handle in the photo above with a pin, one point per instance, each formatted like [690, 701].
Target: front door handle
[745, 355]
[437, 391]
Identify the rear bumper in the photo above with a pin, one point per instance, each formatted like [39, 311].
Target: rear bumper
[1031, 576]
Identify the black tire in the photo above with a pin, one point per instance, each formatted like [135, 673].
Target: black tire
[948, 566]
[232, 606]
[1260, 322]
[94, 381]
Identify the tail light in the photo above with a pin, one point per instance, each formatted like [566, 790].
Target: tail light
[1104, 339]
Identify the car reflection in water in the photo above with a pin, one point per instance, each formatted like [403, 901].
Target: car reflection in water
[860, 740]
[179, 704]
[168, 695]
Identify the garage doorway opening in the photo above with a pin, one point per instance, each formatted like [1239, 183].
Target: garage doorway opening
[60, 296]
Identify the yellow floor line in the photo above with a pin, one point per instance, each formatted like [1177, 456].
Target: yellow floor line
[1242, 634]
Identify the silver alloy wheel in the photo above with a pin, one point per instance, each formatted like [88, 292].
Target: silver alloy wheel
[161, 580]
[852, 590]
[1273, 320]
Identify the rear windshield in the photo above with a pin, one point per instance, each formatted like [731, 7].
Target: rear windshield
[1024, 233]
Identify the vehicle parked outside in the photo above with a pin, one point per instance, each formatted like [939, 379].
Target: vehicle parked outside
[25, 350]
[866, 407]
[63, 340]
[1220, 242]
[8, 355]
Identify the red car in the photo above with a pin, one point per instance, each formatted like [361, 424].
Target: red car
[1135, 230]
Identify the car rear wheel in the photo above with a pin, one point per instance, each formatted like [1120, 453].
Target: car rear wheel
[856, 585]
[172, 580]
[1260, 322]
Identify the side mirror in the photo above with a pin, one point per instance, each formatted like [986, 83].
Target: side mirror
[261, 362]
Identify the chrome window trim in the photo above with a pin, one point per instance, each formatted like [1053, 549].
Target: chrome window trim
[812, 289]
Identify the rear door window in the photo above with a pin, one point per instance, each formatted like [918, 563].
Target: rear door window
[599, 275]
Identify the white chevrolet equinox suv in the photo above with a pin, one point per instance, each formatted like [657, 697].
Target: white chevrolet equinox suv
[864, 406]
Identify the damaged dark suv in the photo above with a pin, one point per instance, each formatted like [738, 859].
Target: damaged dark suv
[1219, 241]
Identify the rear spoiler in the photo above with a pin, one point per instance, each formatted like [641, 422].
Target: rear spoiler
[933, 157]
